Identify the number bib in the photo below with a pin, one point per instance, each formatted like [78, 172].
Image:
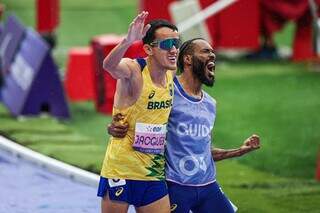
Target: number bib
[150, 138]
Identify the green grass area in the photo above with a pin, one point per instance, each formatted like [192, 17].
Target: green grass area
[81, 141]
[278, 101]
[256, 191]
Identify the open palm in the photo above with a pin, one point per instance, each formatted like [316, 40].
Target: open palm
[137, 30]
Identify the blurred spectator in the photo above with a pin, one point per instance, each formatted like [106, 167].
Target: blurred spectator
[274, 15]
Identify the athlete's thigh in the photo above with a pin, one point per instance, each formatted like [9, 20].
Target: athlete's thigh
[109, 206]
[213, 200]
[220, 205]
[181, 197]
[159, 206]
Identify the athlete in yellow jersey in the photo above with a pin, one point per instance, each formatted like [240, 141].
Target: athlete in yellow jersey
[133, 168]
[139, 156]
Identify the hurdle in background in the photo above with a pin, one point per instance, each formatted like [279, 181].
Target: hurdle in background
[104, 84]
[85, 77]
[31, 82]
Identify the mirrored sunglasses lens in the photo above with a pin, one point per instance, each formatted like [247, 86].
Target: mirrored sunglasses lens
[169, 43]
[177, 43]
[166, 44]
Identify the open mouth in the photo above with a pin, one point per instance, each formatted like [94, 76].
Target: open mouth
[172, 59]
[211, 68]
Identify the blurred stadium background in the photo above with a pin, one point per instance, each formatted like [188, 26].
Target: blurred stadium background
[279, 100]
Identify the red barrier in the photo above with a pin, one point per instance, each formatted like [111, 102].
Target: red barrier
[79, 74]
[47, 15]
[239, 25]
[302, 46]
[156, 9]
[236, 26]
[104, 84]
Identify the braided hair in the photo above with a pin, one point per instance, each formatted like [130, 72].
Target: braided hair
[185, 49]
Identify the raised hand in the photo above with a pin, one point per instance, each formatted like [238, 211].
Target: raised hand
[137, 29]
[250, 144]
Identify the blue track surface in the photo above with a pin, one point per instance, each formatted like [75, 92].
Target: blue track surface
[27, 188]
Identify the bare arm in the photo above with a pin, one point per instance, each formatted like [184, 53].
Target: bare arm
[114, 62]
[250, 144]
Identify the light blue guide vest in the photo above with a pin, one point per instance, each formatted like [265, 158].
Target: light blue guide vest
[188, 149]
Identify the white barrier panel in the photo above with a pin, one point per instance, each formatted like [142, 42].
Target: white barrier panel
[211, 10]
[182, 10]
[51, 164]
[316, 26]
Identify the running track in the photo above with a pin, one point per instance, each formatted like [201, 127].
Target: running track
[26, 187]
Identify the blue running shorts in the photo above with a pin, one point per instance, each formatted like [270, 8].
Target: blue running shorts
[134, 192]
[198, 199]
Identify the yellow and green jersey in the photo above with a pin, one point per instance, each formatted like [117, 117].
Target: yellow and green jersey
[139, 155]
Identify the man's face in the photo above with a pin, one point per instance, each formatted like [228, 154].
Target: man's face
[165, 58]
[203, 62]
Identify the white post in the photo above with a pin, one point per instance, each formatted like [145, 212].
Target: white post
[315, 26]
[204, 14]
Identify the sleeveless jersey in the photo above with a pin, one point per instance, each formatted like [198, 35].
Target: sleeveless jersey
[147, 120]
[188, 149]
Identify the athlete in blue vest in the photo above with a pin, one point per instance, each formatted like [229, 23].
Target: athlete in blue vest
[190, 158]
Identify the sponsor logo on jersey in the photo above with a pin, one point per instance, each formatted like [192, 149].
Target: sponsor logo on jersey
[173, 207]
[119, 191]
[153, 128]
[151, 95]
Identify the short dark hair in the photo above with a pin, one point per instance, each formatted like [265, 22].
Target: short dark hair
[186, 48]
[156, 24]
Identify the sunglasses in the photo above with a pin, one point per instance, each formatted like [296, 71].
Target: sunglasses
[167, 44]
